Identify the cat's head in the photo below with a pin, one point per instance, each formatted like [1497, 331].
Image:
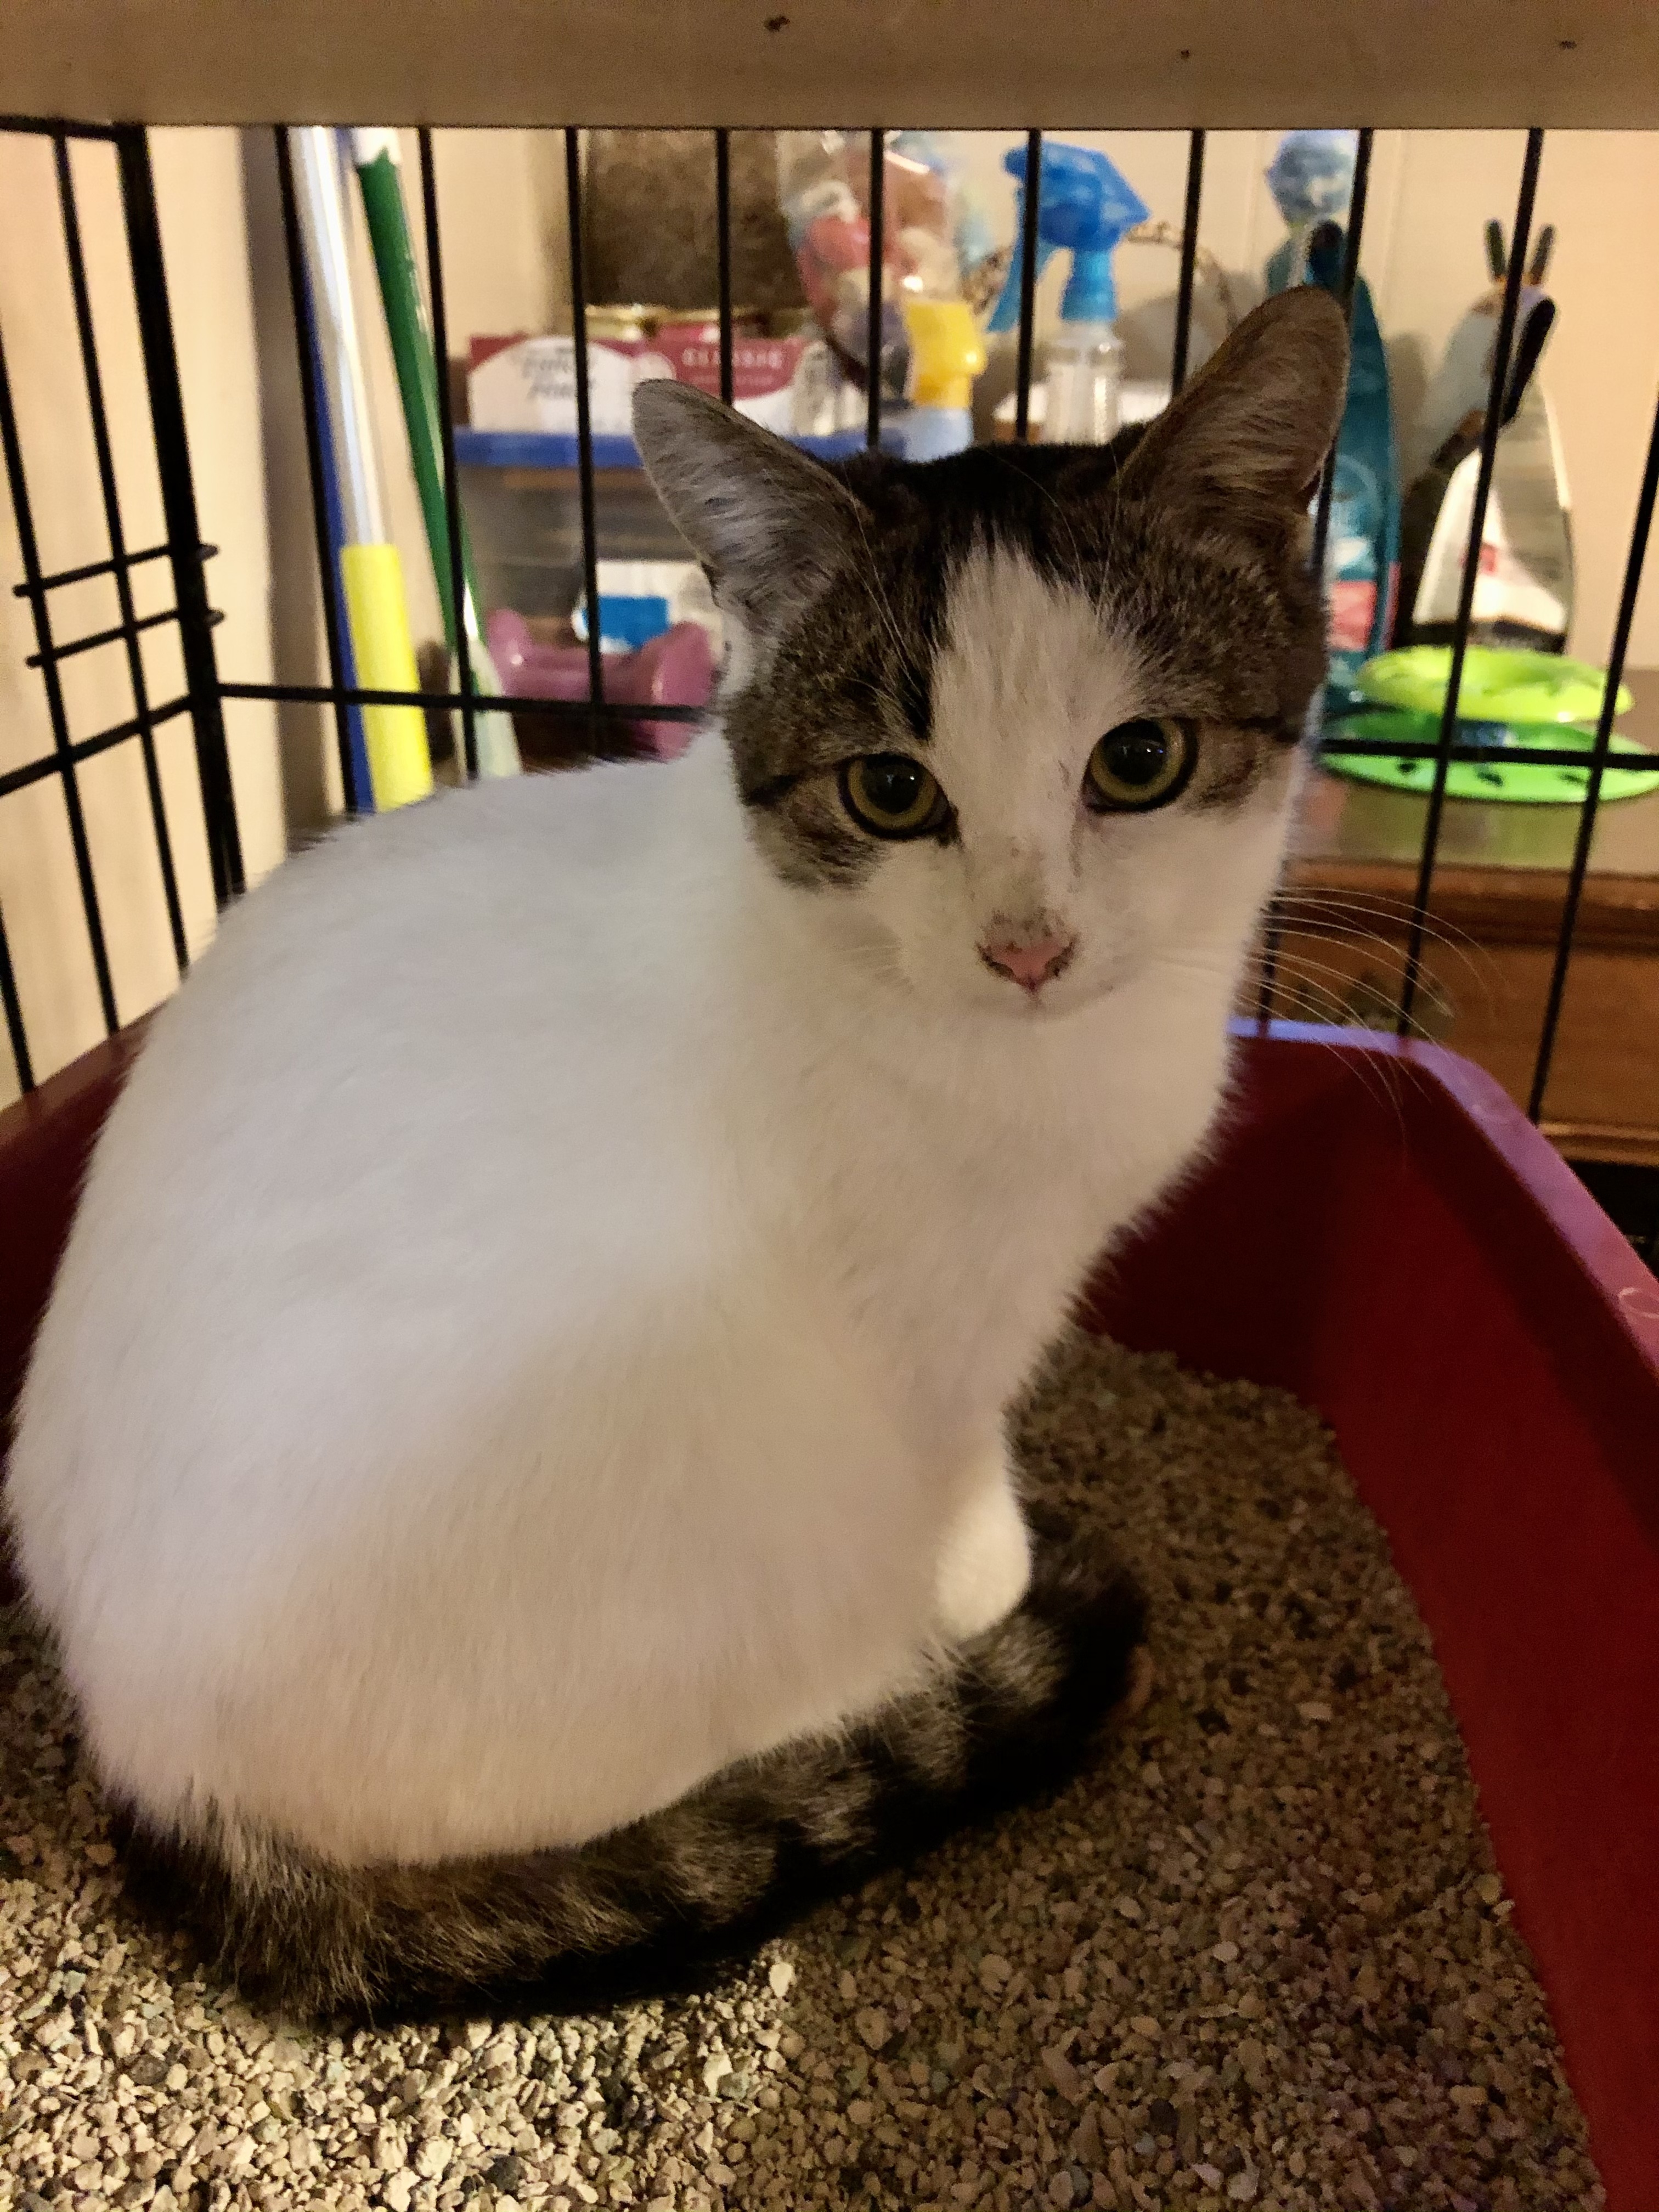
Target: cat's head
[1022, 724]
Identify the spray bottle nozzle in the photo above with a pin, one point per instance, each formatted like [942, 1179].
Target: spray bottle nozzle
[1083, 207]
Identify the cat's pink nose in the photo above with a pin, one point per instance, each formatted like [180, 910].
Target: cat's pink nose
[1030, 965]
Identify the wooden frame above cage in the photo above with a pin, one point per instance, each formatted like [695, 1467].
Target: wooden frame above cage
[1064, 65]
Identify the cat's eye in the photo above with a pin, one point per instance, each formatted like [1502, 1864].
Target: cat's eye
[1139, 765]
[890, 795]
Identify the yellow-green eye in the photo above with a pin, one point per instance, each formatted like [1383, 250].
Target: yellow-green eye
[890, 795]
[1139, 765]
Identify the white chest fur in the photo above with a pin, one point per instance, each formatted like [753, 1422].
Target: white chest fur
[486, 1391]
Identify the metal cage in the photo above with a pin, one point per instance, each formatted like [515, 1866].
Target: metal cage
[606, 724]
[1538, 1437]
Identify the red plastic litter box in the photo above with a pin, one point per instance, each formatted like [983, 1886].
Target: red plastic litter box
[1381, 1232]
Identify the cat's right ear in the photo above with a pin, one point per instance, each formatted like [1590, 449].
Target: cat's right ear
[767, 522]
[1250, 431]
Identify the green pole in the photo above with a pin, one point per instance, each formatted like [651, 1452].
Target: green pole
[374, 155]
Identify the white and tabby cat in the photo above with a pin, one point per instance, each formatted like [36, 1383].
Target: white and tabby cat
[514, 1460]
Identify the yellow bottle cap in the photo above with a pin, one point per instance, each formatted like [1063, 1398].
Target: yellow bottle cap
[947, 352]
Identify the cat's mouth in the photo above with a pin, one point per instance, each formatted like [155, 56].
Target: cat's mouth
[1053, 1003]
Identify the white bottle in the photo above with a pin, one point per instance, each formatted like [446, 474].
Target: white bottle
[1083, 368]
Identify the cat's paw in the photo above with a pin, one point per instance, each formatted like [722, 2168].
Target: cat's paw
[985, 1566]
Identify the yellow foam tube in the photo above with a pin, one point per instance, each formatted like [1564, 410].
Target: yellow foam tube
[399, 764]
[947, 352]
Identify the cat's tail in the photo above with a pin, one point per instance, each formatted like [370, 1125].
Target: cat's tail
[651, 1907]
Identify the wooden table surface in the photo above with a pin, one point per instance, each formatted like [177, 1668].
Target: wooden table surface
[1494, 918]
[1361, 822]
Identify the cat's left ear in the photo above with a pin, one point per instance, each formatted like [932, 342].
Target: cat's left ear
[769, 524]
[1250, 432]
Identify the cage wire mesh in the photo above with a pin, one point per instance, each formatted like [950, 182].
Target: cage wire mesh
[608, 725]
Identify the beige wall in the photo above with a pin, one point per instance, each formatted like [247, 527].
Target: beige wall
[502, 201]
[197, 180]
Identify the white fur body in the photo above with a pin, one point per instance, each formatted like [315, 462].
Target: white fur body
[543, 1312]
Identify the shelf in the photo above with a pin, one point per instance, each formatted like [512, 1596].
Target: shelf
[1070, 64]
[558, 452]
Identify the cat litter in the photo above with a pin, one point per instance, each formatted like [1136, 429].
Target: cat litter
[1262, 1955]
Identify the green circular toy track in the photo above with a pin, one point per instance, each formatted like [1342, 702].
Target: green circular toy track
[1510, 703]
[1497, 686]
[1504, 775]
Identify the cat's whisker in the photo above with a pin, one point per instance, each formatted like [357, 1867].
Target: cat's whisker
[1383, 907]
[1337, 919]
[872, 569]
[1386, 912]
[1382, 901]
[1341, 902]
[1294, 964]
[1385, 987]
[1377, 1077]
[1343, 1015]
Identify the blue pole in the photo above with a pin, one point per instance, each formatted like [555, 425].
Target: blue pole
[361, 797]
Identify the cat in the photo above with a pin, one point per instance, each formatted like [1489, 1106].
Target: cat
[515, 1460]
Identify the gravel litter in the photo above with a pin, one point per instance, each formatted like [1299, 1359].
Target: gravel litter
[1262, 1955]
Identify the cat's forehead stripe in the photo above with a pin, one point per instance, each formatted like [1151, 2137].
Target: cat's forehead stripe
[1029, 673]
[993, 614]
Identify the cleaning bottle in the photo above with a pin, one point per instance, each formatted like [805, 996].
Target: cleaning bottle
[1524, 591]
[1083, 206]
[944, 345]
[946, 354]
[1311, 180]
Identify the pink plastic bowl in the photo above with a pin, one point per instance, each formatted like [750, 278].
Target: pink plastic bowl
[674, 670]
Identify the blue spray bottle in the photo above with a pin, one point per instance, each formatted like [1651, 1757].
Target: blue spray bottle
[1311, 178]
[1083, 206]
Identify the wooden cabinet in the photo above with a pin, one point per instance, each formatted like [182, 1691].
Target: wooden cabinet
[1494, 917]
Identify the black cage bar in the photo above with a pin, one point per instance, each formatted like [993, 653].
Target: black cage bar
[607, 723]
[167, 414]
[1350, 276]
